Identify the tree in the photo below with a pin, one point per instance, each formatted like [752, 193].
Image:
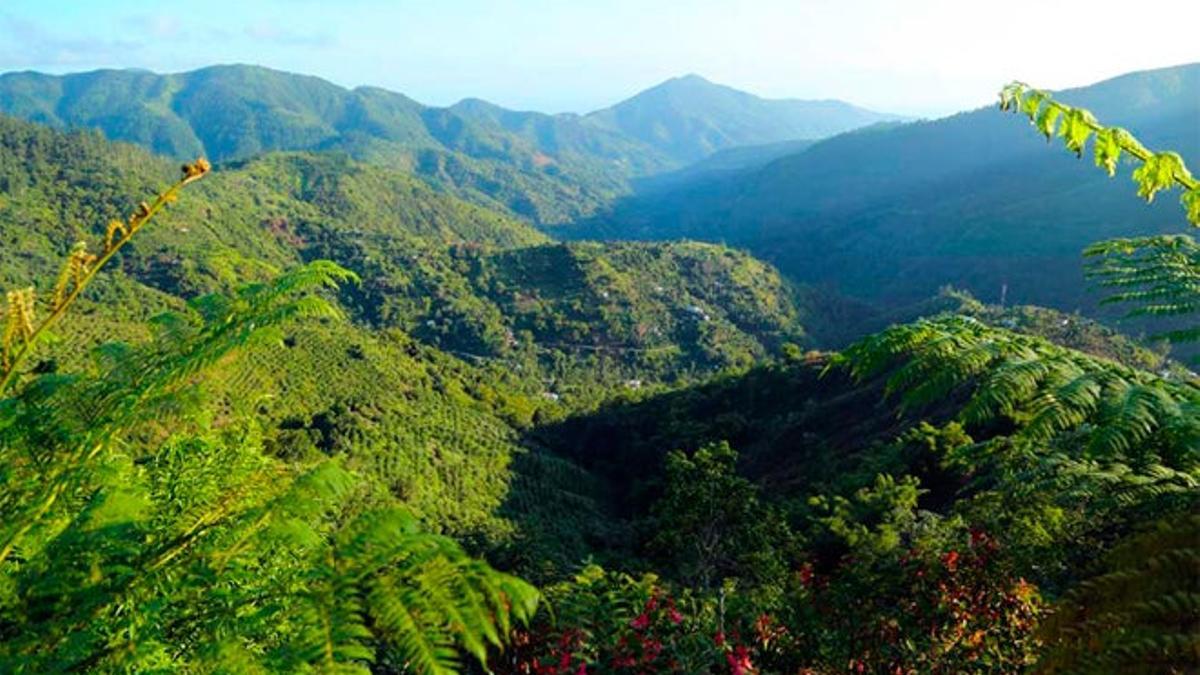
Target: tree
[711, 525]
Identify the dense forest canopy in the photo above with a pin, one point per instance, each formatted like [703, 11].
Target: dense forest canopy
[343, 403]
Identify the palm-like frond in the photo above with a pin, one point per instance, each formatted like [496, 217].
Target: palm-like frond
[1142, 615]
[423, 596]
[1045, 389]
[205, 549]
[1160, 276]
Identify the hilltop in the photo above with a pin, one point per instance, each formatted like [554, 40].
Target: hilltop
[546, 168]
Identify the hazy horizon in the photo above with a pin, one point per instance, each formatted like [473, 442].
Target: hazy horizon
[929, 58]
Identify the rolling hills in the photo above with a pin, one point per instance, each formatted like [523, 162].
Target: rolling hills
[467, 327]
[890, 214]
[546, 168]
[455, 275]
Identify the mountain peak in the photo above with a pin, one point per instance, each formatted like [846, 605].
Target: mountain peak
[690, 117]
[690, 83]
[690, 78]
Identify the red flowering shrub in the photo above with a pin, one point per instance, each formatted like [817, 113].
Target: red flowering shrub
[951, 611]
[611, 623]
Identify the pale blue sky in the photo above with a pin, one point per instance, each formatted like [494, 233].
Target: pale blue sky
[922, 57]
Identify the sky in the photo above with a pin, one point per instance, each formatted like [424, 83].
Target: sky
[915, 57]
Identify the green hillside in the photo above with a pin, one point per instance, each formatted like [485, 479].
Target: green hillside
[547, 168]
[236, 112]
[255, 215]
[466, 328]
[450, 273]
[889, 215]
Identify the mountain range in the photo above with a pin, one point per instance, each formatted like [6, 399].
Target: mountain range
[867, 206]
[548, 168]
[890, 213]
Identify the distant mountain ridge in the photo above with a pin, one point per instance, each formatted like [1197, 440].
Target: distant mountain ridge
[690, 118]
[978, 200]
[547, 168]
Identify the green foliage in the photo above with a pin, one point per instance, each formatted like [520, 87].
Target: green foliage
[1160, 273]
[418, 596]
[1157, 274]
[948, 602]
[1073, 331]
[870, 521]
[137, 536]
[1158, 171]
[611, 622]
[710, 524]
[1141, 615]
[1047, 389]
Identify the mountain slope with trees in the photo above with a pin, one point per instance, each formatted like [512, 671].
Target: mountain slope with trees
[547, 168]
[889, 215]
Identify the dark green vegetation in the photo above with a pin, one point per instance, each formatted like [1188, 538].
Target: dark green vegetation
[889, 215]
[322, 416]
[547, 168]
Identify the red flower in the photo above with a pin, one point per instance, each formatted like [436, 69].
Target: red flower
[806, 574]
[652, 649]
[642, 622]
[978, 537]
[651, 603]
[719, 639]
[739, 661]
[950, 560]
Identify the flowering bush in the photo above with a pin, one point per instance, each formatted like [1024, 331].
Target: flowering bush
[612, 623]
[953, 610]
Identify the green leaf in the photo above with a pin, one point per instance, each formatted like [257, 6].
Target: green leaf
[1158, 173]
[1047, 120]
[1076, 128]
[1011, 96]
[1108, 150]
[1032, 102]
[1191, 203]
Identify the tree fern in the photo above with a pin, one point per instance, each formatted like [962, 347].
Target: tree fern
[1160, 275]
[1045, 389]
[1142, 615]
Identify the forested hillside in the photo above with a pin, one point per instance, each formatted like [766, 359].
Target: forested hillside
[310, 411]
[471, 281]
[546, 168]
[889, 215]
